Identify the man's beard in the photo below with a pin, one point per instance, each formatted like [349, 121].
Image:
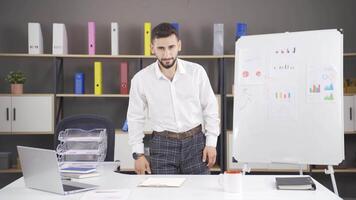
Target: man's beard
[167, 66]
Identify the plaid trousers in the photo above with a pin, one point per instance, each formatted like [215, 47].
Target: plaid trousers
[178, 156]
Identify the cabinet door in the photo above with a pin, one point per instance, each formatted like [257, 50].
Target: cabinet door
[5, 114]
[32, 114]
[348, 113]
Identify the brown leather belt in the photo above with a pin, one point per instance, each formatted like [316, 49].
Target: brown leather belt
[181, 135]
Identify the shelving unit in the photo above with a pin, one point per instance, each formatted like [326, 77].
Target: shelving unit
[58, 72]
[58, 61]
[11, 170]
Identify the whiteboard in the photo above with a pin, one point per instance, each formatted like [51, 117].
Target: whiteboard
[288, 105]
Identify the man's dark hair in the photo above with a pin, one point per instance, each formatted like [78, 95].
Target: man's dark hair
[163, 30]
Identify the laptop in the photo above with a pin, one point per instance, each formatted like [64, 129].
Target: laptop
[41, 171]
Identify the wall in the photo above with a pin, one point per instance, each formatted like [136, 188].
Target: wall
[196, 19]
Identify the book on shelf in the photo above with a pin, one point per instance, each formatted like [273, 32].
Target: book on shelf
[124, 78]
[35, 38]
[91, 38]
[147, 38]
[80, 175]
[295, 183]
[98, 78]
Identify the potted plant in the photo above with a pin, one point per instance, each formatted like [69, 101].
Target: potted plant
[16, 79]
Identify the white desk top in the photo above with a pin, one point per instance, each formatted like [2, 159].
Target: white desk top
[205, 187]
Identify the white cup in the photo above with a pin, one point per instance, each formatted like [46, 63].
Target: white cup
[231, 181]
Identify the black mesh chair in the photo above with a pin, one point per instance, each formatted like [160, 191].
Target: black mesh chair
[88, 122]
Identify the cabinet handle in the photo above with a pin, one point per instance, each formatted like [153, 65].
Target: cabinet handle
[350, 113]
[7, 114]
[14, 114]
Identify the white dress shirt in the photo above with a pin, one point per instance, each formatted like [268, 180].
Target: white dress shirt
[178, 105]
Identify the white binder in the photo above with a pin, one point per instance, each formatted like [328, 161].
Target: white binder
[114, 38]
[60, 41]
[218, 48]
[35, 39]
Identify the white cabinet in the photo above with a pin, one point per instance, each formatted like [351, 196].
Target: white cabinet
[27, 113]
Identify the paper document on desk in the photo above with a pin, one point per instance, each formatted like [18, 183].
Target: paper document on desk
[162, 182]
[117, 194]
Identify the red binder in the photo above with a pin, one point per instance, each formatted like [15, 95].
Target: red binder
[123, 78]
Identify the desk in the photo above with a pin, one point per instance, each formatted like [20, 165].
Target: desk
[204, 187]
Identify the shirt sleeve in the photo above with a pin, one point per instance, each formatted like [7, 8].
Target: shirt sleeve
[136, 115]
[210, 110]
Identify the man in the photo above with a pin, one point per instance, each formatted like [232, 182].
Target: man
[178, 98]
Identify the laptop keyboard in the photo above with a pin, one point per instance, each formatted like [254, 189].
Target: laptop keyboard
[70, 188]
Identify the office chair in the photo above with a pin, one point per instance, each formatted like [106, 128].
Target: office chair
[88, 122]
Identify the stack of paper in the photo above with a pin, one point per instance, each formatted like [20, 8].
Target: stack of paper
[162, 182]
[79, 172]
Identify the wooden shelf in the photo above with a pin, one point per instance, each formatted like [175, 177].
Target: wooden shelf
[349, 54]
[93, 95]
[350, 132]
[106, 56]
[26, 133]
[229, 56]
[347, 170]
[349, 94]
[125, 56]
[11, 170]
[215, 168]
[279, 170]
[26, 55]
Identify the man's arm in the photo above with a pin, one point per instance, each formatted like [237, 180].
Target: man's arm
[136, 120]
[211, 119]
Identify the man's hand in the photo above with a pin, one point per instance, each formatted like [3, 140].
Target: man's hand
[142, 165]
[209, 153]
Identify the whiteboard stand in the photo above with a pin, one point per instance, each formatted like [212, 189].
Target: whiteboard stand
[330, 171]
[300, 169]
[245, 169]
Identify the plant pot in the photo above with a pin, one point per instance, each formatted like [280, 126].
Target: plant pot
[16, 88]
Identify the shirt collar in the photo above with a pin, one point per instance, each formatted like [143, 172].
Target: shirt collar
[180, 69]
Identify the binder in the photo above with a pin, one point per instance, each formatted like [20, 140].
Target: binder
[241, 30]
[114, 38]
[218, 48]
[98, 78]
[147, 39]
[35, 39]
[175, 26]
[79, 83]
[123, 78]
[295, 183]
[91, 38]
[60, 41]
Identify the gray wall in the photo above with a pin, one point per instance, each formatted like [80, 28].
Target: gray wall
[196, 19]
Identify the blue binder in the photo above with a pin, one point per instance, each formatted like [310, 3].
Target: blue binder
[79, 83]
[176, 26]
[241, 30]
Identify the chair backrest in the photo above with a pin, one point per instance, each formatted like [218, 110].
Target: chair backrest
[88, 122]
